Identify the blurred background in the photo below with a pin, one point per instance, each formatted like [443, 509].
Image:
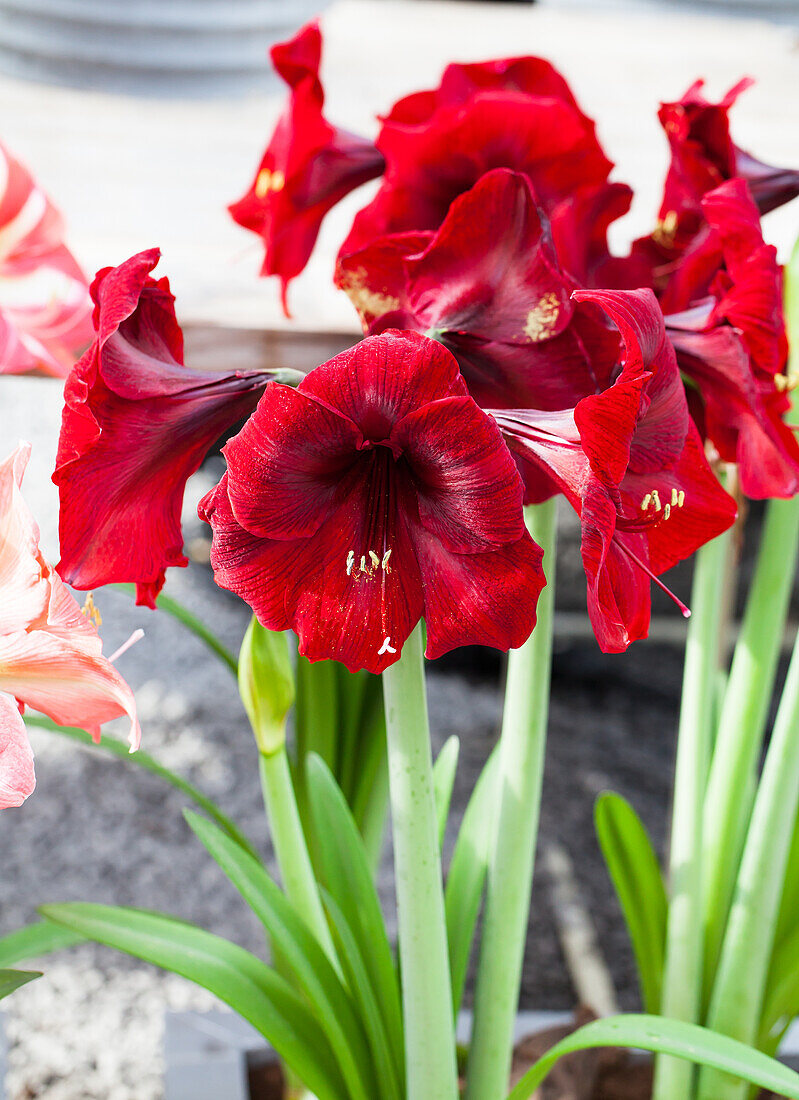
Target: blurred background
[143, 119]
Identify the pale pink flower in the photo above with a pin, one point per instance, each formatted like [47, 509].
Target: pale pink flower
[45, 309]
[50, 653]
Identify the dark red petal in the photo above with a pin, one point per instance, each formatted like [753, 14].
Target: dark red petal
[286, 463]
[479, 599]
[545, 138]
[469, 492]
[660, 432]
[313, 586]
[134, 428]
[744, 426]
[307, 168]
[375, 278]
[383, 378]
[707, 509]
[491, 269]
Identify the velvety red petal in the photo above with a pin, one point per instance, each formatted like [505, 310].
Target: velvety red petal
[544, 138]
[383, 378]
[469, 494]
[326, 587]
[376, 277]
[286, 464]
[660, 432]
[479, 599]
[736, 416]
[136, 424]
[307, 168]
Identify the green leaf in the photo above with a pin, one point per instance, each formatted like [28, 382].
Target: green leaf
[35, 939]
[443, 781]
[13, 979]
[299, 952]
[636, 875]
[356, 972]
[234, 975]
[266, 684]
[781, 1000]
[347, 878]
[144, 760]
[466, 877]
[663, 1036]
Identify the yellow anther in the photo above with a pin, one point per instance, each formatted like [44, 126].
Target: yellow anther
[375, 560]
[646, 502]
[681, 498]
[263, 183]
[278, 181]
[674, 498]
[362, 566]
[656, 500]
[91, 611]
[384, 562]
[350, 562]
[667, 511]
[785, 384]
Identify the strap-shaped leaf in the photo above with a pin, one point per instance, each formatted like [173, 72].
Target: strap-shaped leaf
[348, 879]
[356, 971]
[234, 975]
[13, 979]
[466, 877]
[39, 938]
[143, 760]
[300, 953]
[781, 1000]
[443, 781]
[664, 1036]
[636, 876]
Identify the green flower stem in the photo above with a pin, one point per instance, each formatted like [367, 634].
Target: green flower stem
[192, 623]
[682, 977]
[510, 868]
[738, 992]
[743, 720]
[291, 848]
[426, 986]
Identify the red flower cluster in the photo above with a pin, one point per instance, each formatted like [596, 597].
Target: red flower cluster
[381, 490]
[375, 494]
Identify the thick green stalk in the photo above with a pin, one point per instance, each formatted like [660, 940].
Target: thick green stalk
[743, 719]
[290, 846]
[737, 999]
[510, 868]
[424, 961]
[682, 975]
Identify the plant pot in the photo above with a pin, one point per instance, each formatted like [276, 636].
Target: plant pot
[216, 1054]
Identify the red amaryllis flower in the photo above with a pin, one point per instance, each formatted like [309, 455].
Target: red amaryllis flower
[631, 463]
[703, 156]
[45, 310]
[136, 424]
[374, 494]
[307, 168]
[488, 286]
[733, 345]
[50, 654]
[516, 114]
